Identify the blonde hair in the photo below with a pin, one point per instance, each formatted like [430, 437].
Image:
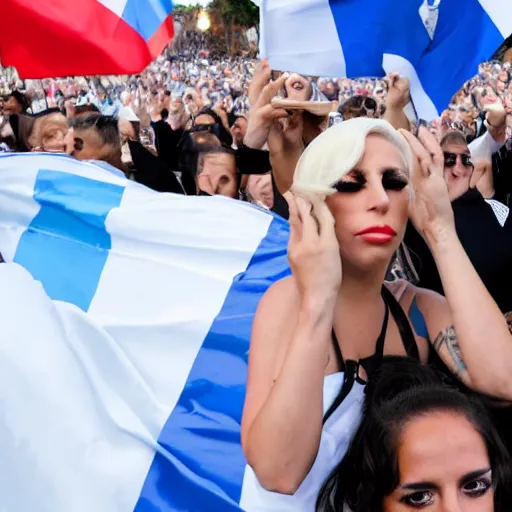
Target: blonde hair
[337, 151]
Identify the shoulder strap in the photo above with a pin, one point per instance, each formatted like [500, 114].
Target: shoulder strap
[403, 324]
[337, 350]
[379, 345]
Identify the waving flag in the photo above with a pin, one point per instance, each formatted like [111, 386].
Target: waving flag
[438, 44]
[125, 318]
[49, 38]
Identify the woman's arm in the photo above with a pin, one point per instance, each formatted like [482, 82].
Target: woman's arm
[476, 344]
[476, 327]
[282, 420]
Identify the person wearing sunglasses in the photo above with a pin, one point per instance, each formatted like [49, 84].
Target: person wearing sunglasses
[458, 166]
[484, 227]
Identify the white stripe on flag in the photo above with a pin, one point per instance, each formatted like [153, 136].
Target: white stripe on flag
[116, 6]
[500, 12]
[424, 105]
[291, 37]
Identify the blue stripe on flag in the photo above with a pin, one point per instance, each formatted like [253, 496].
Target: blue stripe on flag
[146, 16]
[204, 464]
[375, 27]
[465, 36]
[66, 245]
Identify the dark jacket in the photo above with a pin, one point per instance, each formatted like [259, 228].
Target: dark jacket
[488, 245]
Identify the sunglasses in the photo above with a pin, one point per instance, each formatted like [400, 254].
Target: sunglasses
[450, 159]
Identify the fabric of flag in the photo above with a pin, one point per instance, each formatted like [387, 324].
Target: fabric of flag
[438, 44]
[51, 38]
[125, 317]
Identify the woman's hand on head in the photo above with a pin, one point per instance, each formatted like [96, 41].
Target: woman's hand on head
[430, 209]
[313, 249]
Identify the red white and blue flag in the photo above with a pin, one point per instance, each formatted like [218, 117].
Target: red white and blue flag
[49, 38]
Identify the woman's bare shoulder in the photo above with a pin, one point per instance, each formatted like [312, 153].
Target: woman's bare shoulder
[276, 314]
[282, 293]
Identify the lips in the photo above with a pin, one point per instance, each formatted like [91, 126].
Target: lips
[378, 230]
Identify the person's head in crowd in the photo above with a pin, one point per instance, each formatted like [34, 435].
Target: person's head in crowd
[129, 125]
[49, 132]
[95, 137]
[361, 168]
[208, 120]
[191, 101]
[458, 166]
[298, 88]
[216, 172]
[82, 111]
[238, 130]
[15, 103]
[164, 114]
[359, 106]
[420, 446]
[259, 191]
[21, 126]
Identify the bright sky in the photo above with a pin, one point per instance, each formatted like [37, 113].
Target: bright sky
[192, 2]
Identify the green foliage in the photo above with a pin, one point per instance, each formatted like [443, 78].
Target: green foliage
[238, 12]
[179, 8]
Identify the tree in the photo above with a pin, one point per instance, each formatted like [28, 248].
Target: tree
[237, 12]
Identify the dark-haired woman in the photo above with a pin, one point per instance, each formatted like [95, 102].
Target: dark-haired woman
[420, 445]
[319, 335]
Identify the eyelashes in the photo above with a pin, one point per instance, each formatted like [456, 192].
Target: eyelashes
[392, 179]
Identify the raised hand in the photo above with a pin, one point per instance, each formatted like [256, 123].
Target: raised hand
[285, 143]
[313, 249]
[399, 90]
[430, 208]
[262, 113]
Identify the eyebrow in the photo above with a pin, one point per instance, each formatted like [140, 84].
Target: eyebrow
[419, 486]
[428, 486]
[474, 474]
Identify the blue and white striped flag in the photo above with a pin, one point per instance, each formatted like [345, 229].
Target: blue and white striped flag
[125, 318]
[438, 44]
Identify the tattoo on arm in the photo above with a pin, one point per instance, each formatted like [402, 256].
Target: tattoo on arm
[508, 318]
[448, 338]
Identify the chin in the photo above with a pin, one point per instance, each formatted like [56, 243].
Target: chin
[370, 260]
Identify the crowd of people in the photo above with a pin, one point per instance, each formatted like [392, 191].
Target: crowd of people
[380, 371]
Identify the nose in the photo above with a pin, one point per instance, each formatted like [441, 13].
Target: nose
[378, 197]
[450, 502]
[458, 169]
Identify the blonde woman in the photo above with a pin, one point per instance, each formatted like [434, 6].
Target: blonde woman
[320, 334]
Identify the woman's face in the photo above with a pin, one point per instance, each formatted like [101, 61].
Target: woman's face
[371, 206]
[444, 467]
[297, 87]
[53, 133]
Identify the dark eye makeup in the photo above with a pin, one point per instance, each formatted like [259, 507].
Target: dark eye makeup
[392, 179]
[474, 486]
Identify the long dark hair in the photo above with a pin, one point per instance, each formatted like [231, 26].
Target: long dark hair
[399, 391]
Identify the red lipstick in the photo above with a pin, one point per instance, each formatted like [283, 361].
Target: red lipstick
[377, 234]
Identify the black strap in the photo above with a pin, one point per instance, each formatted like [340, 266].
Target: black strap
[379, 346]
[403, 324]
[351, 368]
